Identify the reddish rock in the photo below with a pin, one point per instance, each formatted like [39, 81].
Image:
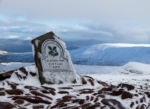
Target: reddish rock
[31, 99]
[86, 91]
[117, 93]
[19, 101]
[83, 81]
[62, 105]
[129, 87]
[102, 96]
[93, 106]
[102, 83]
[104, 90]
[91, 98]
[18, 75]
[14, 91]
[12, 84]
[112, 103]
[2, 89]
[148, 94]
[96, 99]
[132, 104]
[80, 101]
[40, 94]
[31, 87]
[48, 88]
[84, 106]
[68, 97]
[63, 92]
[137, 107]
[52, 92]
[126, 95]
[6, 105]
[91, 81]
[143, 106]
[89, 77]
[33, 74]
[57, 105]
[45, 91]
[38, 107]
[65, 88]
[20, 107]
[87, 97]
[22, 69]
[2, 93]
[136, 95]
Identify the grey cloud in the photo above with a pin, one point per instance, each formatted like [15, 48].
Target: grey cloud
[99, 10]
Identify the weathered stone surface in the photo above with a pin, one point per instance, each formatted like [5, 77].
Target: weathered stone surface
[117, 93]
[129, 87]
[33, 74]
[148, 94]
[23, 70]
[2, 89]
[6, 105]
[132, 104]
[13, 85]
[2, 93]
[14, 91]
[38, 107]
[31, 99]
[40, 94]
[52, 60]
[109, 103]
[126, 95]
[6, 75]
[63, 92]
[93, 106]
[19, 101]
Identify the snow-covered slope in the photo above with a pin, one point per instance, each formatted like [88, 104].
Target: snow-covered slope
[2, 52]
[22, 90]
[101, 54]
[111, 54]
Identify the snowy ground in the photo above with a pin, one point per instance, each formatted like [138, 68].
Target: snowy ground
[135, 74]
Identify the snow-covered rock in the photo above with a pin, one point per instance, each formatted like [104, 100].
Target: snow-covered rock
[108, 91]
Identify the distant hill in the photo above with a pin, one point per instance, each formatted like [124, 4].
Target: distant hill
[19, 45]
[111, 54]
[100, 54]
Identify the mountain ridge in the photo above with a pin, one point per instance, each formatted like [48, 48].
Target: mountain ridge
[100, 54]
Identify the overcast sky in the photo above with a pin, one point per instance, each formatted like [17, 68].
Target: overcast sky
[106, 20]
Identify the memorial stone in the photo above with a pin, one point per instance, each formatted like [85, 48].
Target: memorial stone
[52, 60]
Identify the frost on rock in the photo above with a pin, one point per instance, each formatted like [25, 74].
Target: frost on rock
[58, 69]
[37, 43]
[63, 77]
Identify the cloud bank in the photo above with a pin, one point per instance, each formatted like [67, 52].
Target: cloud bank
[109, 21]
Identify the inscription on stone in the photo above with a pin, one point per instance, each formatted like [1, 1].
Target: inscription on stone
[52, 59]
